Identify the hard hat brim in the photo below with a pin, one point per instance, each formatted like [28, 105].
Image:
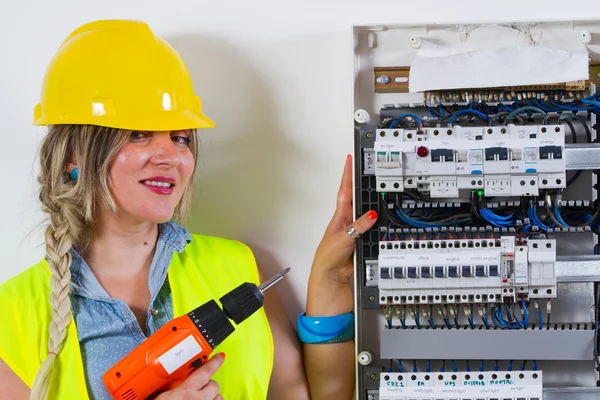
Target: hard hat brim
[163, 121]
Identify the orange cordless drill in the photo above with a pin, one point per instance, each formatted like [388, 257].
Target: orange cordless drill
[164, 360]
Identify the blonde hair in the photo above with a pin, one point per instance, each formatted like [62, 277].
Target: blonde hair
[71, 206]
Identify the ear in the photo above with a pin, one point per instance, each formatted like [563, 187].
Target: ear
[71, 165]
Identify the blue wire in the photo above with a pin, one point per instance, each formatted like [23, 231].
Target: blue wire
[495, 320]
[516, 321]
[400, 366]
[415, 369]
[418, 319]
[531, 213]
[431, 112]
[454, 367]
[549, 107]
[501, 320]
[447, 320]
[468, 366]
[563, 107]
[416, 118]
[540, 318]
[502, 323]
[510, 366]
[421, 224]
[535, 365]
[507, 107]
[481, 366]
[496, 220]
[523, 366]
[431, 321]
[403, 322]
[499, 217]
[558, 216]
[543, 107]
[485, 321]
[592, 102]
[441, 110]
[428, 367]
[526, 311]
[475, 112]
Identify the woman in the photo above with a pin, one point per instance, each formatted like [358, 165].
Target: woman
[116, 166]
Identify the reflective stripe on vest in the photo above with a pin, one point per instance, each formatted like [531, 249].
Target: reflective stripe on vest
[207, 269]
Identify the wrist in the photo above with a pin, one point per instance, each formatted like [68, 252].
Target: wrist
[328, 297]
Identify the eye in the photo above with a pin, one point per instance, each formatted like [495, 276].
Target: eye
[181, 140]
[139, 136]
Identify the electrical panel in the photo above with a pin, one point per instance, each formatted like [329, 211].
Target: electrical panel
[477, 145]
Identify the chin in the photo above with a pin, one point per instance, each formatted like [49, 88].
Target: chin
[161, 219]
[157, 215]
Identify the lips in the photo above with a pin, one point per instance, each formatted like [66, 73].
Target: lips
[159, 184]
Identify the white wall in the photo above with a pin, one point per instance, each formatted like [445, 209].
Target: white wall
[276, 76]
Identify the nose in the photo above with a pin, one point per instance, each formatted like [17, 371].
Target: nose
[163, 150]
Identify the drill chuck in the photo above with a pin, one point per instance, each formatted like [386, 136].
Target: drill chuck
[242, 302]
[212, 323]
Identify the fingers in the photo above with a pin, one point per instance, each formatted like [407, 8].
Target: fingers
[344, 198]
[202, 376]
[219, 397]
[210, 391]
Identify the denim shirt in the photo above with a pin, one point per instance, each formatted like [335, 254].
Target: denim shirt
[107, 328]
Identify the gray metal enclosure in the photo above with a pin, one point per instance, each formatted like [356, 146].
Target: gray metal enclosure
[566, 348]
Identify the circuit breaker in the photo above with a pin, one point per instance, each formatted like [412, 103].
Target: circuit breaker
[465, 271]
[477, 146]
[503, 161]
[473, 385]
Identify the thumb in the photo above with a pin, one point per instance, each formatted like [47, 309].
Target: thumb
[203, 375]
[363, 223]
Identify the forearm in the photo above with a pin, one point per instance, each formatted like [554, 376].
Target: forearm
[329, 367]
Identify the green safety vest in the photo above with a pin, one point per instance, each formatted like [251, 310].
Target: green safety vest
[206, 269]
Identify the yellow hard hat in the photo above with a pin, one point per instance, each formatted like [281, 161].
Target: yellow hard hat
[118, 74]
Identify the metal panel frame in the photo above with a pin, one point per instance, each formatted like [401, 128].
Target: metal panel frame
[484, 344]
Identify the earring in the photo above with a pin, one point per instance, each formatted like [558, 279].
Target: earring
[74, 174]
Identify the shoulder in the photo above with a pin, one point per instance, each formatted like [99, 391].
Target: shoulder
[217, 258]
[186, 243]
[210, 245]
[31, 283]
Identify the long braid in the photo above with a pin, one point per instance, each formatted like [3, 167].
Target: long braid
[58, 244]
[67, 221]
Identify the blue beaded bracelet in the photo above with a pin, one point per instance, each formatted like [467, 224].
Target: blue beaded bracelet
[325, 330]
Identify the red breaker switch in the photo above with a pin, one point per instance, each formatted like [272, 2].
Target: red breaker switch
[422, 151]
